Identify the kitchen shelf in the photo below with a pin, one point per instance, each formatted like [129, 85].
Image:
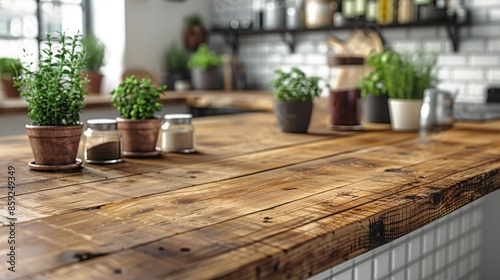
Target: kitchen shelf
[231, 36]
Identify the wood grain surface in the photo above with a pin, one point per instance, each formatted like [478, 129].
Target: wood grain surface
[252, 203]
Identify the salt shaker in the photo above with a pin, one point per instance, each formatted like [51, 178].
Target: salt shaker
[177, 133]
[103, 142]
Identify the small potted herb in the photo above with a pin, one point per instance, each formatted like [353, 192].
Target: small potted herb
[406, 77]
[9, 69]
[137, 102]
[55, 93]
[374, 92]
[294, 92]
[195, 32]
[176, 64]
[204, 68]
[94, 51]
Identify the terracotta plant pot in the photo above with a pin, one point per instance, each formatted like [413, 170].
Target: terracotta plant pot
[8, 88]
[293, 116]
[139, 136]
[54, 145]
[95, 81]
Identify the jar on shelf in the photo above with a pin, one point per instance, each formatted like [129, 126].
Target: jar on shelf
[177, 133]
[345, 96]
[103, 142]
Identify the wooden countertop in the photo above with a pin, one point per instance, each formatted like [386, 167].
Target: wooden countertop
[253, 203]
[250, 99]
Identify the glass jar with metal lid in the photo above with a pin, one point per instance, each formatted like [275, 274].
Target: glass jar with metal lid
[177, 133]
[103, 142]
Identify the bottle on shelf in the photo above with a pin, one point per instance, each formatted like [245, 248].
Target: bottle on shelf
[405, 11]
[386, 11]
[371, 10]
[360, 9]
[349, 9]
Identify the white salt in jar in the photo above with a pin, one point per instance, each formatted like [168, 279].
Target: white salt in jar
[177, 133]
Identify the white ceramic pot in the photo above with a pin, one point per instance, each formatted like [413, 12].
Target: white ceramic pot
[405, 114]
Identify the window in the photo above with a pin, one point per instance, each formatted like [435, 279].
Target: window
[23, 23]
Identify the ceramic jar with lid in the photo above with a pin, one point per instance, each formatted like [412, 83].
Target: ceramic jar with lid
[103, 142]
[177, 133]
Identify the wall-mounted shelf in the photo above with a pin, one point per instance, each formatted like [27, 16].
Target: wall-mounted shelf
[289, 36]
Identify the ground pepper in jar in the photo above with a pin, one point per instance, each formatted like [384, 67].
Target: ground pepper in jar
[103, 142]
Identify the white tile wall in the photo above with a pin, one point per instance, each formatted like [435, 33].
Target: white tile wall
[478, 58]
[449, 248]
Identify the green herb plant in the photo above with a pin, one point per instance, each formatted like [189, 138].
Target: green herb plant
[137, 100]
[176, 59]
[295, 86]
[408, 75]
[55, 92]
[373, 82]
[9, 67]
[94, 50]
[204, 59]
[194, 20]
[400, 76]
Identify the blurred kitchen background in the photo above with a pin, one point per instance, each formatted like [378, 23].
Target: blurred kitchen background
[138, 32]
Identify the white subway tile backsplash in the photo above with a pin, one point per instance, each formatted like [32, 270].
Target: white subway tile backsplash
[398, 256]
[427, 266]
[484, 31]
[317, 59]
[452, 60]
[465, 246]
[398, 276]
[363, 271]
[422, 33]
[440, 259]
[428, 242]
[494, 14]
[467, 74]
[347, 275]
[414, 249]
[494, 45]
[381, 264]
[475, 260]
[494, 75]
[469, 45]
[325, 275]
[413, 272]
[481, 3]
[484, 60]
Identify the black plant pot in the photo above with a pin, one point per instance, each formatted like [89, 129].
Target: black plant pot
[376, 109]
[293, 116]
[173, 77]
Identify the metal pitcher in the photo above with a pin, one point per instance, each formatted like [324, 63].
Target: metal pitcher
[437, 109]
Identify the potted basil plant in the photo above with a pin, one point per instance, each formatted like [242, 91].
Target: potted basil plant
[94, 50]
[204, 65]
[137, 102]
[9, 69]
[55, 93]
[294, 92]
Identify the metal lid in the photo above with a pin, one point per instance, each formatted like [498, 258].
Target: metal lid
[345, 60]
[178, 118]
[102, 124]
